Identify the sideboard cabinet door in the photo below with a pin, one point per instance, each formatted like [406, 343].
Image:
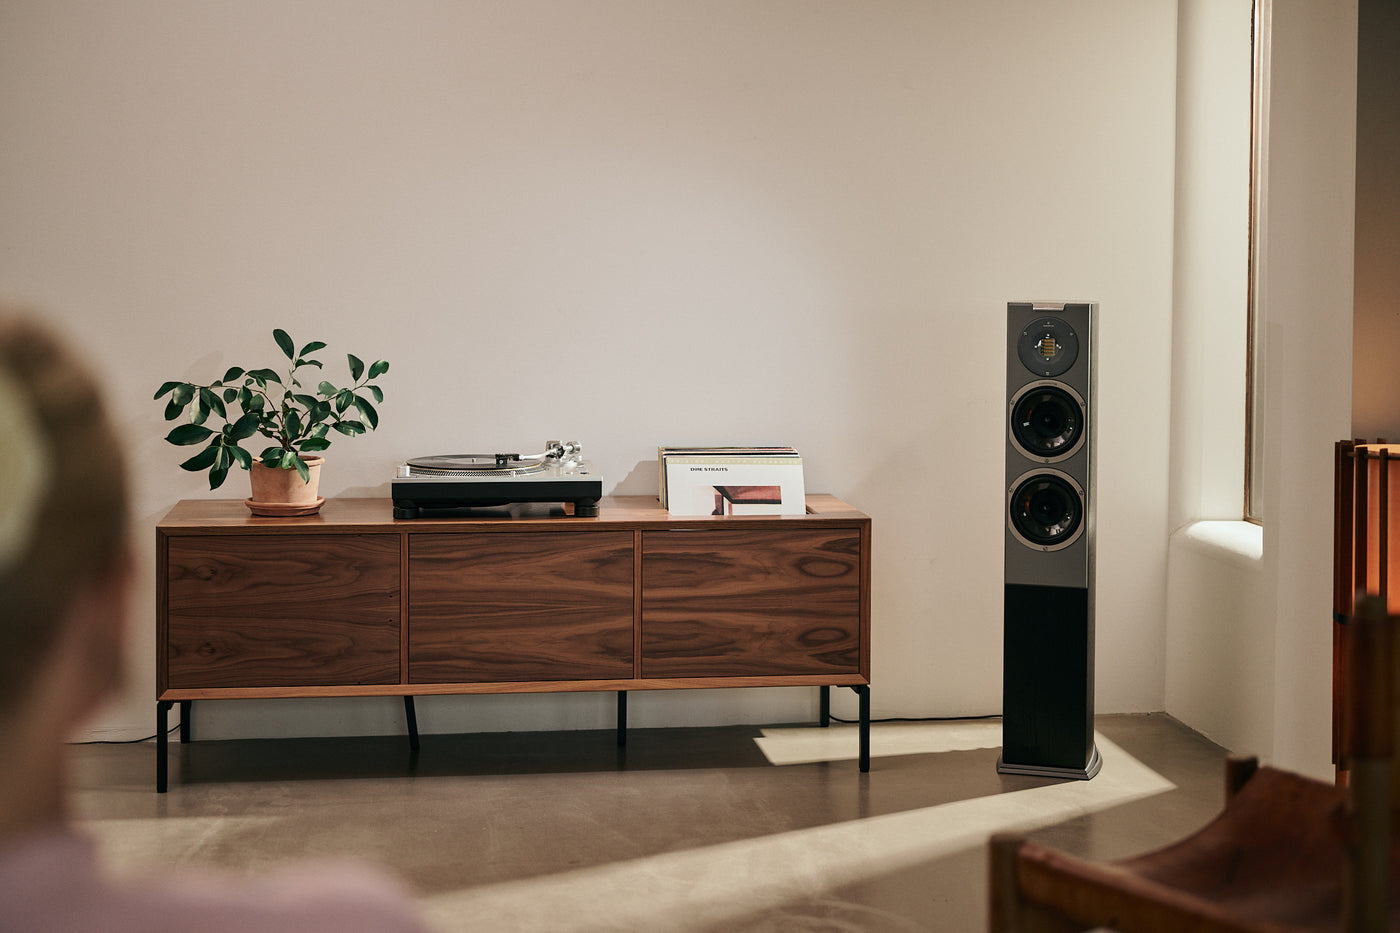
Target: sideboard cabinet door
[729, 602]
[498, 607]
[283, 610]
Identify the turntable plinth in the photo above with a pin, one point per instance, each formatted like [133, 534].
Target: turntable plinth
[351, 602]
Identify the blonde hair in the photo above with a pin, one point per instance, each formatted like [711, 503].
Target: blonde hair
[63, 515]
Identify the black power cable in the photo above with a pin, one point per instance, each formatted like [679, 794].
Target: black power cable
[148, 738]
[851, 722]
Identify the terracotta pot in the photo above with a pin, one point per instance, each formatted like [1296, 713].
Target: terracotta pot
[280, 492]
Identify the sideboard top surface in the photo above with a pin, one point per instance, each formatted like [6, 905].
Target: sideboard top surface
[344, 515]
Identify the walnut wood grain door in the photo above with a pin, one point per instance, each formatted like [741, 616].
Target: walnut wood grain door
[730, 602]
[283, 610]
[497, 607]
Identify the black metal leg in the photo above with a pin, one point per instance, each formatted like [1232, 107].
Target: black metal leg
[863, 692]
[412, 715]
[621, 718]
[824, 699]
[162, 745]
[186, 721]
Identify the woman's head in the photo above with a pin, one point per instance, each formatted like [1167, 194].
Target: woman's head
[63, 495]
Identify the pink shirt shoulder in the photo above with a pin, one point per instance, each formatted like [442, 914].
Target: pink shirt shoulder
[53, 883]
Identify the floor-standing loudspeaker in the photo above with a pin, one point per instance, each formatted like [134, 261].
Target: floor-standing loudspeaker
[1048, 655]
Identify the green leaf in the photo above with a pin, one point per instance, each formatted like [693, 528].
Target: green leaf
[271, 457]
[312, 347]
[263, 376]
[208, 398]
[233, 373]
[202, 460]
[293, 424]
[379, 368]
[377, 392]
[326, 389]
[343, 399]
[230, 395]
[350, 428]
[184, 393]
[289, 460]
[320, 430]
[187, 434]
[173, 410]
[366, 409]
[285, 343]
[217, 476]
[164, 388]
[245, 459]
[302, 362]
[357, 366]
[244, 427]
[313, 444]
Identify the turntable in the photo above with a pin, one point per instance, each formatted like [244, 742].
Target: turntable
[457, 483]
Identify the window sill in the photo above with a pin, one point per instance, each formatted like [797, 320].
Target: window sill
[1238, 542]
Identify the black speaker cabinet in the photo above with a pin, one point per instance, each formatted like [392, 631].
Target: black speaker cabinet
[1048, 655]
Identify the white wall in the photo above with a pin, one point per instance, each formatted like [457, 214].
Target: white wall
[629, 223]
[1249, 629]
[1306, 293]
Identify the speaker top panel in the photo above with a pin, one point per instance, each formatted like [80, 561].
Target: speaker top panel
[1048, 346]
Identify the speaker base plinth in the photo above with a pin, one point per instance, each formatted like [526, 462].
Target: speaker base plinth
[1068, 774]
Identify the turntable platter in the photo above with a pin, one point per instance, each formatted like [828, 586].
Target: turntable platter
[475, 465]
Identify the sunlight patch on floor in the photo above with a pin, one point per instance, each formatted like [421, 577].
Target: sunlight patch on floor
[701, 889]
[804, 745]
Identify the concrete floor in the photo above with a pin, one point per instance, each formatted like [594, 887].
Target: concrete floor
[734, 828]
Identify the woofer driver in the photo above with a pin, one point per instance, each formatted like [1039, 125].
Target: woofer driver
[1047, 420]
[1045, 509]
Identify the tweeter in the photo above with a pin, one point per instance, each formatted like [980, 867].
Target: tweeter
[1048, 605]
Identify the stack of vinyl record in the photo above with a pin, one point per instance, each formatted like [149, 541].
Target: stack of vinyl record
[731, 480]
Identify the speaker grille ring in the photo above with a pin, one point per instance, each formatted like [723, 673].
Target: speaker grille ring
[1047, 421]
[1045, 510]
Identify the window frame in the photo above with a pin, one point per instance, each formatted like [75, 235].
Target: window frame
[1258, 186]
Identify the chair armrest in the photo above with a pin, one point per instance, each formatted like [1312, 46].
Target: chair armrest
[1238, 770]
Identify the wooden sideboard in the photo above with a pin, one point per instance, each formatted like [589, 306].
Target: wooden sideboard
[353, 602]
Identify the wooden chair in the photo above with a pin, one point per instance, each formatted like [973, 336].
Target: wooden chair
[1286, 854]
[1367, 478]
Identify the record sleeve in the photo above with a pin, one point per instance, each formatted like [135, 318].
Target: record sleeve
[765, 453]
[720, 484]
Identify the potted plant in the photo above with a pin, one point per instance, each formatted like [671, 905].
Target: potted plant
[279, 407]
